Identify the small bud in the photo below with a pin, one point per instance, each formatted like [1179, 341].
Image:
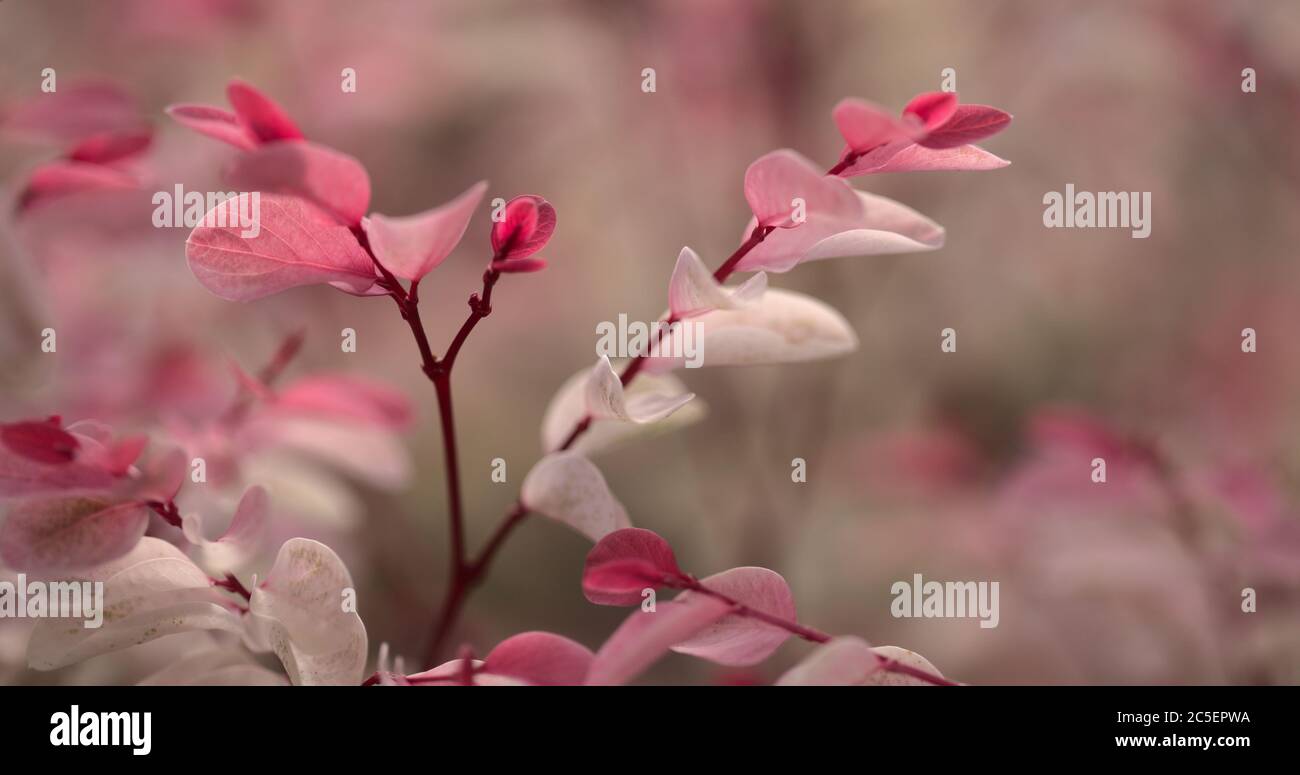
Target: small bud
[526, 227]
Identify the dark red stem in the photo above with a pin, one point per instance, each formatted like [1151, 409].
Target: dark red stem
[462, 573]
[232, 584]
[167, 510]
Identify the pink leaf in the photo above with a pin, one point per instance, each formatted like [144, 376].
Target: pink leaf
[781, 184]
[540, 658]
[75, 112]
[60, 178]
[1073, 430]
[333, 180]
[970, 123]
[905, 156]
[370, 452]
[297, 243]
[736, 640]
[40, 440]
[21, 476]
[264, 118]
[526, 228]
[122, 454]
[931, 110]
[39, 457]
[865, 125]
[216, 123]
[448, 673]
[412, 246]
[164, 473]
[851, 223]
[108, 147]
[46, 536]
[645, 636]
[641, 555]
[843, 661]
[346, 397]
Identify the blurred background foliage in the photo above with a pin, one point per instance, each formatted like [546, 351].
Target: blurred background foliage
[918, 461]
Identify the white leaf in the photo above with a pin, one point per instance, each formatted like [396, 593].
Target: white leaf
[740, 641]
[569, 407]
[606, 398]
[851, 661]
[153, 591]
[842, 221]
[903, 656]
[569, 488]
[300, 610]
[215, 667]
[781, 327]
[693, 291]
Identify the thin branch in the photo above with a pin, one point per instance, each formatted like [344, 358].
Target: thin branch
[232, 584]
[467, 575]
[518, 512]
[479, 308]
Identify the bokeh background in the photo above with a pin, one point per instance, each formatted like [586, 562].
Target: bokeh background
[967, 465]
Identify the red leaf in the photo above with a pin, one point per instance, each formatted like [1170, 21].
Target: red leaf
[932, 109]
[41, 441]
[540, 658]
[296, 244]
[527, 227]
[624, 562]
[61, 178]
[267, 120]
[968, 124]
[346, 397]
[108, 147]
[621, 582]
